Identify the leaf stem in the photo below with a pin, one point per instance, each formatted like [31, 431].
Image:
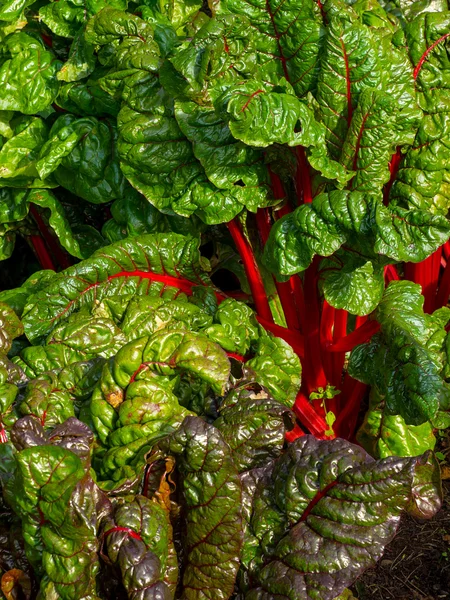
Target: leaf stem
[309, 418]
[60, 255]
[358, 336]
[314, 374]
[42, 253]
[252, 271]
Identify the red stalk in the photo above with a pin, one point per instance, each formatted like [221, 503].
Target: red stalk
[252, 271]
[42, 253]
[444, 288]
[326, 337]
[294, 434]
[390, 273]
[359, 321]
[297, 288]
[314, 374]
[52, 244]
[446, 250]
[309, 418]
[320, 494]
[338, 359]
[346, 420]
[426, 274]
[424, 56]
[359, 336]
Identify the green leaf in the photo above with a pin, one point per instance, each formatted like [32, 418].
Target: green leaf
[28, 80]
[147, 558]
[403, 362]
[147, 265]
[82, 155]
[370, 141]
[19, 154]
[277, 368]
[254, 426]
[321, 227]
[422, 180]
[10, 327]
[59, 505]
[81, 61]
[11, 9]
[287, 39]
[333, 497]
[235, 327]
[212, 495]
[385, 435]
[351, 283]
[65, 17]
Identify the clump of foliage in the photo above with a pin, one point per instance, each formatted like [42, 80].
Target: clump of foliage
[240, 211]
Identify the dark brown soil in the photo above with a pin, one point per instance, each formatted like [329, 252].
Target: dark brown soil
[416, 565]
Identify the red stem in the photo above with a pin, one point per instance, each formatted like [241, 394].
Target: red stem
[339, 333]
[426, 274]
[326, 337]
[252, 271]
[294, 434]
[390, 273]
[359, 336]
[424, 56]
[127, 530]
[346, 421]
[320, 494]
[309, 418]
[314, 374]
[52, 244]
[41, 252]
[444, 287]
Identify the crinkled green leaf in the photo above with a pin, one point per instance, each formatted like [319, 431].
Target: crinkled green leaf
[322, 227]
[235, 326]
[147, 558]
[422, 181]
[352, 283]
[19, 154]
[54, 397]
[81, 153]
[28, 80]
[277, 368]
[254, 426]
[385, 435]
[136, 266]
[65, 17]
[15, 205]
[403, 362]
[287, 39]
[10, 327]
[329, 514]
[81, 61]
[212, 495]
[11, 9]
[87, 98]
[60, 507]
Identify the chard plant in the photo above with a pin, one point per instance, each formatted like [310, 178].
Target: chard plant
[240, 211]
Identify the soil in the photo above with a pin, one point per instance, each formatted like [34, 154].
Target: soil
[416, 565]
